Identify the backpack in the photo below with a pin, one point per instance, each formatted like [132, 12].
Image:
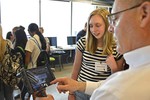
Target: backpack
[42, 60]
[43, 56]
[11, 67]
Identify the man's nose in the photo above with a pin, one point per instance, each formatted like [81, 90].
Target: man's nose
[111, 29]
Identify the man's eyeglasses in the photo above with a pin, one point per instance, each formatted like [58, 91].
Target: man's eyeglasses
[112, 18]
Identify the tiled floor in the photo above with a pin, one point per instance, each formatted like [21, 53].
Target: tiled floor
[66, 71]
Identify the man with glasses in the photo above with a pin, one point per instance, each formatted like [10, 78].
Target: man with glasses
[130, 23]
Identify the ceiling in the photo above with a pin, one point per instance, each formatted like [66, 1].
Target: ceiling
[103, 2]
[93, 2]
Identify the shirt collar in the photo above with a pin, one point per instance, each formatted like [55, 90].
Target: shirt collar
[35, 35]
[138, 57]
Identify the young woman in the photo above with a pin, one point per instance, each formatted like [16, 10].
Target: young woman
[19, 46]
[32, 49]
[41, 29]
[10, 36]
[6, 91]
[96, 56]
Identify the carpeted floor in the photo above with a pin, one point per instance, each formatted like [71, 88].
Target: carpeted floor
[66, 71]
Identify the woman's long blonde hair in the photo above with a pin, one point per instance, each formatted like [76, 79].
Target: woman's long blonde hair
[108, 40]
[2, 45]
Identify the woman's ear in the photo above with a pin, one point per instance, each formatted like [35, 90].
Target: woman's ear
[145, 14]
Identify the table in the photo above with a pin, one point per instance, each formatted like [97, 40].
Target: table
[60, 53]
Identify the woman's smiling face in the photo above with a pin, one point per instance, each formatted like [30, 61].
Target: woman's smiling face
[97, 26]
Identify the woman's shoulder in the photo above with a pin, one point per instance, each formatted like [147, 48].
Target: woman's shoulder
[81, 44]
[32, 39]
[9, 43]
[82, 40]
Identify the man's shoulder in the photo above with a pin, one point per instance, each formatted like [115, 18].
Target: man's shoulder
[130, 83]
[128, 77]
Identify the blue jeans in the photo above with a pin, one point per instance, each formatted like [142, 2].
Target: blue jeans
[6, 92]
[81, 96]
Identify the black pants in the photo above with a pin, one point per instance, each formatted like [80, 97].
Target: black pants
[6, 92]
[23, 90]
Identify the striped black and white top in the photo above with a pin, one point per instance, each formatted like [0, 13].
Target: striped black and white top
[87, 71]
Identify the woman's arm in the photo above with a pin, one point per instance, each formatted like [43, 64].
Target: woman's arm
[27, 58]
[77, 64]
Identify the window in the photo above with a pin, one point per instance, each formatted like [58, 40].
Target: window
[18, 12]
[55, 17]
[81, 12]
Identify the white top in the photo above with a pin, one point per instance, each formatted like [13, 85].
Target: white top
[32, 47]
[132, 84]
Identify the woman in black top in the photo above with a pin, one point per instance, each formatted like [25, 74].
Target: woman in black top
[20, 43]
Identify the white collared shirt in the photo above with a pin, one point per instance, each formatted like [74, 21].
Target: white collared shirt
[32, 47]
[132, 84]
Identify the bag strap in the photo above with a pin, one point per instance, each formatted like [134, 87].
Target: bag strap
[36, 42]
[21, 49]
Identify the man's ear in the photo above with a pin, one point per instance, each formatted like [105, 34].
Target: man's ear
[145, 14]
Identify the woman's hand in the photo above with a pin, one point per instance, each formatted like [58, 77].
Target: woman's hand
[112, 63]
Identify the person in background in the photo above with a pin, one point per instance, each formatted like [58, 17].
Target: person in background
[32, 49]
[82, 32]
[21, 27]
[10, 36]
[6, 92]
[20, 43]
[15, 29]
[13, 32]
[96, 57]
[46, 39]
[129, 21]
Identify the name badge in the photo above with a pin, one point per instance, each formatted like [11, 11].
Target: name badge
[100, 66]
